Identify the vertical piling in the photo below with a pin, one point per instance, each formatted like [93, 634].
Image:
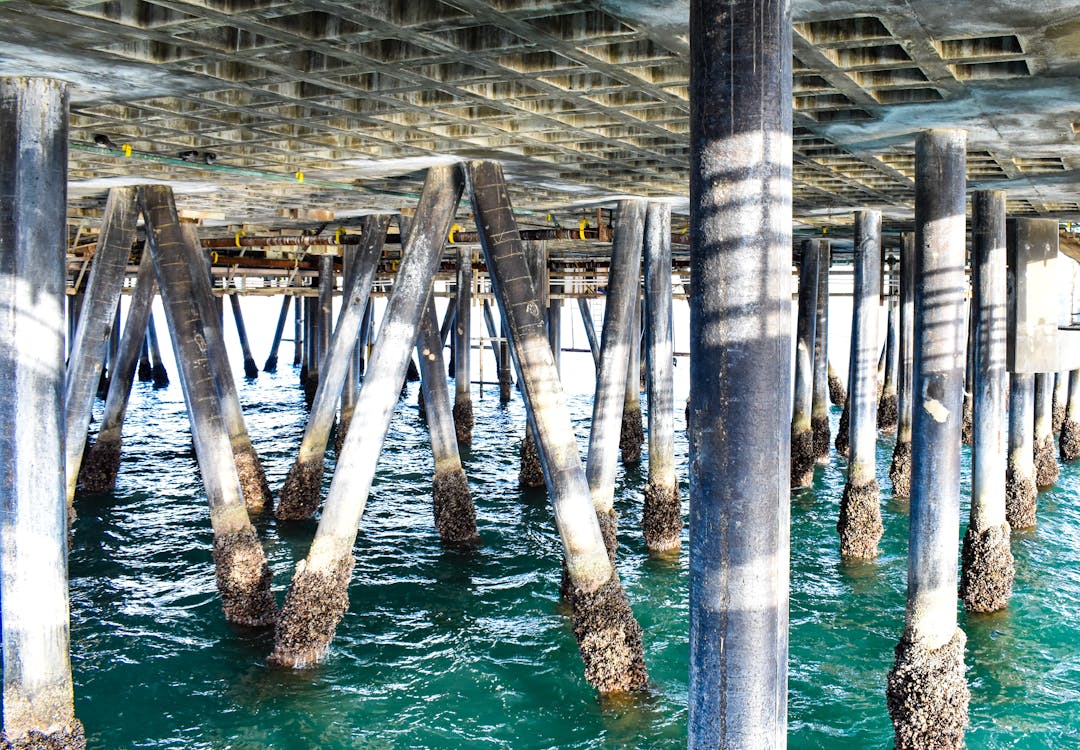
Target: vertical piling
[251, 370]
[505, 365]
[819, 414]
[1046, 465]
[298, 333]
[160, 374]
[102, 460]
[860, 524]
[318, 595]
[1020, 490]
[590, 328]
[1061, 387]
[530, 472]
[661, 518]
[554, 329]
[272, 358]
[38, 692]
[803, 458]
[987, 563]
[967, 425]
[349, 390]
[96, 322]
[887, 404]
[740, 370]
[1069, 440]
[632, 432]
[900, 468]
[146, 370]
[463, 409]
[837, 392]
[455, 515]
[608, 636]
[299, 497]
[927, 690]
[615, 343]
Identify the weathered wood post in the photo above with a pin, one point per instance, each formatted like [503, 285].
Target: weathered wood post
[615, 343]
[927, 690]
[249, 468]
[1046, 465]
[661, 518]
[243, 577]
[819, 413]
[803, 459]
[272, 358]
[251, 370]
[740, 370]
[160, 374]
[632, 430]
[96, 321]
[987, 570]
[318, 595]
[900, 468]
[887, 414]
[299, 496]
[463, 408]
[455, 514]
[1069, 441]
[506, 381]
[860, 524]
[608, 636]
[102, 461]
[38, 692]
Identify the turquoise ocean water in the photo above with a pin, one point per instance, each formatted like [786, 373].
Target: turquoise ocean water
[443, 649]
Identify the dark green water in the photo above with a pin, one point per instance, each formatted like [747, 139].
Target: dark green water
[452, 650]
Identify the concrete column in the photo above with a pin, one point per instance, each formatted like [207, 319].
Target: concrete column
[272, 358]
[860, 524]
[632, 432]
[554, 329]
[251, 370]
[1069, 441]
[740, 372]
[309, 339]
[318, 595]
[662, 513]
[967, 425]
[463, 409]
[927, 690]
[900, 468]
[102, 461]
[530, 472]
[803, 459]
[590, 328]
[352, 371]
[819, 414]
[249, 468]
[987, 571]
[160, 374]
[842, 442]
[322, 311]
[608, 636]
[455, 515]
[111, 352]
[37, 705]
[615, 343]
[146, 370]
[298, 333]
[837, 392]
[243, 577]
[96, 322]
[887, 403]
[1020, 491]
[1046, 465]
[299, 496]
[1061, 387]
[505, 378]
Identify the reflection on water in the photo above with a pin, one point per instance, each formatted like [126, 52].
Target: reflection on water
[450, 649]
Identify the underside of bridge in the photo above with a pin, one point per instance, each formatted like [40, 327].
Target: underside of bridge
[288, 114]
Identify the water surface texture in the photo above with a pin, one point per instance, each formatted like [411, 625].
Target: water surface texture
[443, 649]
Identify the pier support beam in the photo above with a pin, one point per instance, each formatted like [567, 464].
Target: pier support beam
[1046, 465]
[837, 392]
[251, 370]
[463, 408]
[249, 468]
[967, 426]
[531, 473]
[1069, 440]
[352, 373]
[554, 329]
[1020, 491]
[927, 690]
[608, 636]
[318, 596]
[887, 404]
[96, 321]
[987, 571]
[272, 358]
[900, 468]
[298, 333]
[146, 370]
[740, 370]
[632, 431]
[615, 342]
[243, 577]
[662, 513]
[1061, 387]
[160, 374]
[299, 497]
[102, 460]
[455, 515]
[590, 327]
[819, 414]
[38, 692]
[860, 524]
[803, 458]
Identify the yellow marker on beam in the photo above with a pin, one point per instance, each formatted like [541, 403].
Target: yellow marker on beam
[299, 177]
[582, 226]
[454, 228]
[239, 234]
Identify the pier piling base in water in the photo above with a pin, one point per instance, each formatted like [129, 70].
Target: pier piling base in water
[609, 638]
[317, 600]
[530, 472]
[986, 581]
[860, 524]
[837, 392]
[928, 695]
